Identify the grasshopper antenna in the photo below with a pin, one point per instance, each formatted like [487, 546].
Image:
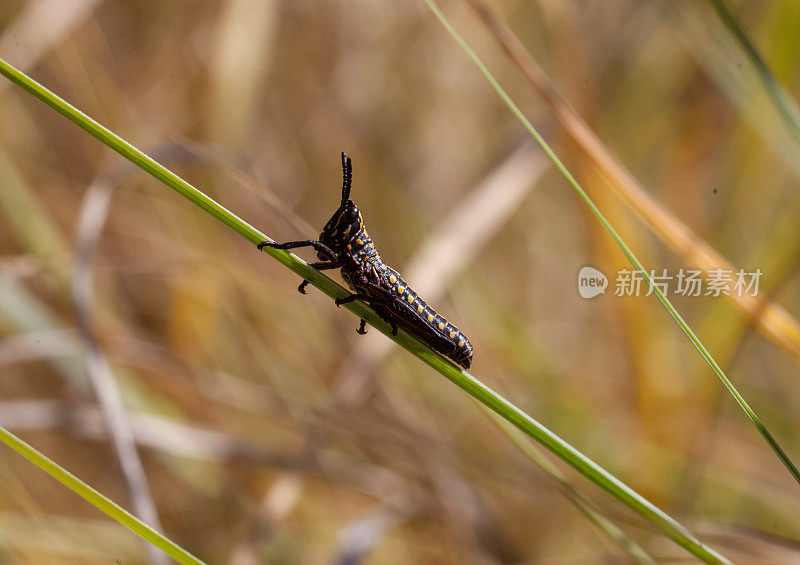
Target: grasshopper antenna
[347, 177]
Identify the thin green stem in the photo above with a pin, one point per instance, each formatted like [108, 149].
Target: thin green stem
[576, 459]
[776, 448]
[636, 552]
[784, 104]
[462, 379]
[115, 511]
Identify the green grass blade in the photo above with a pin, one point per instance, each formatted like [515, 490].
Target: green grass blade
[784, 104]
[462, 379]
[169, 178]
[776, 448]
[634, 550]
[115, 511]
[576, 459]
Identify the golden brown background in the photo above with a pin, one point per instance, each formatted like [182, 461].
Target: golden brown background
[269, 431]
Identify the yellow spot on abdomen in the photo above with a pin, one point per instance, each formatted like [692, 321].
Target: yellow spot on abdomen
[452, 335]
[430, 318]
[441, 325]
[461, 343]
[401, 289]
[410, 298]
[392, 279]
[420, 308]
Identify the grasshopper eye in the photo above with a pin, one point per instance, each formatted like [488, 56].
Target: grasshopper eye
[351, 213]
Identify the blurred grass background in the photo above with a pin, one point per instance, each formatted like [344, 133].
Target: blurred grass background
[267, 428]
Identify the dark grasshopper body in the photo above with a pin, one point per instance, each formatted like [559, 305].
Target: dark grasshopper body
[345, 244]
